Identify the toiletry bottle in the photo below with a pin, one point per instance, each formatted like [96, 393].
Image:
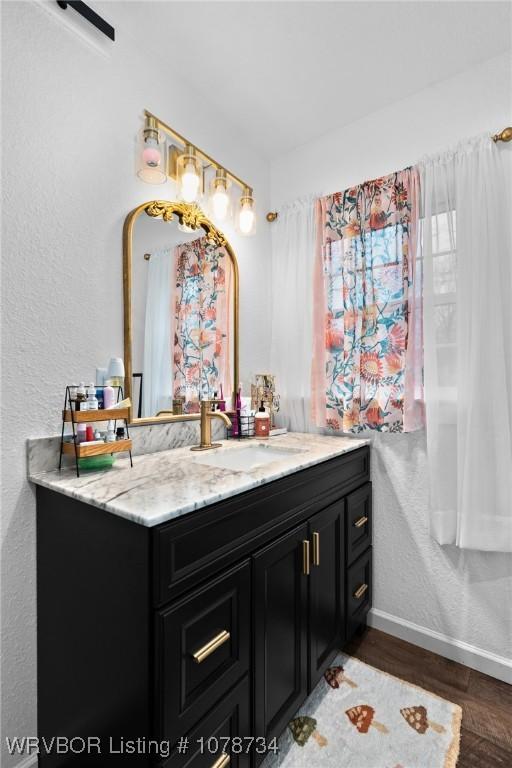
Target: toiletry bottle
[262, 422]
[120, 433]
[97, 435]
[81, 397]
[109, 397]
[89, 433]
[222, 404]
[99, 397]
[237, 426]
[111, 435]
[101, 376]
[80, 433]
[92, 400]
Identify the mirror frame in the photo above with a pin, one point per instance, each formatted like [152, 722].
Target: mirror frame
[191, 216]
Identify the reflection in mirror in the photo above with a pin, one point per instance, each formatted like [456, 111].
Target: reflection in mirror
[183, 316]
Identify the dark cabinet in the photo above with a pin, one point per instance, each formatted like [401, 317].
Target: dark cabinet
[213, 625]
[326, 532]
[280, 631]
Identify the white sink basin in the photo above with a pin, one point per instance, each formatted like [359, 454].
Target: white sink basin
[244, 459]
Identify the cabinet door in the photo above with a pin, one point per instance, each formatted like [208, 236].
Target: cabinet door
[280, 634]
[326, 589]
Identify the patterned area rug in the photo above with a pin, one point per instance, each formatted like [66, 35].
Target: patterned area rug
[360, 717]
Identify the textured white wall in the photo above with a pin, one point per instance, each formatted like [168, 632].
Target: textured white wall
[71, 109]
[465, 595]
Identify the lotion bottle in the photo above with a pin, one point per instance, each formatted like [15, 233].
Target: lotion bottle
[109, 399]
[262, 422]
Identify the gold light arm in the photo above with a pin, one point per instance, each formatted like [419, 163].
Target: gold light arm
[178, 137]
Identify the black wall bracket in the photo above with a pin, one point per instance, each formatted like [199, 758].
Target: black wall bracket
[84, 10]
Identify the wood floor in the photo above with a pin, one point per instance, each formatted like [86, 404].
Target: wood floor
[486, 737]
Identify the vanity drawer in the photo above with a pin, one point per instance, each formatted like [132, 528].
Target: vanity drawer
[203, 645]
[229, 720]
[359, 591]
[359, 522]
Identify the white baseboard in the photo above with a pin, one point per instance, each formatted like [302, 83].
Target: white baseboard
[29, 762]
[455, 650]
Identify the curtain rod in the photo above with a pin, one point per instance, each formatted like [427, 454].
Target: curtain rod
[504, 135]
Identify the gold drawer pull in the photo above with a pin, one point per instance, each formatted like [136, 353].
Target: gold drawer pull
[211, 646]
[316, 548]
[305, 557]
[359, 523]
[222, 762]
[360, 591]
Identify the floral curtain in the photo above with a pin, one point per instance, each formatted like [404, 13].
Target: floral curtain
[367, 316]
[202, 322]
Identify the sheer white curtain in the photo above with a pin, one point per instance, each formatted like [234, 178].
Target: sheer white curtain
[293, 251]
[158, 332]
[467, 261]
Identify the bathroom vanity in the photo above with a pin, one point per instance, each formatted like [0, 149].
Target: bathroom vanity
[191, 598]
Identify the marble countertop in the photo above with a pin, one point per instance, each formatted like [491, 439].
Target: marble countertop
[165, 485]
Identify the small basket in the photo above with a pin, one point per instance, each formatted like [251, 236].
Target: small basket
[243, 427]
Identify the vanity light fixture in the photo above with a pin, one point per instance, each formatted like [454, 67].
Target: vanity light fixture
[189, 175]
[219, 199]
[246, 216]
[152, 154]
[187, 165]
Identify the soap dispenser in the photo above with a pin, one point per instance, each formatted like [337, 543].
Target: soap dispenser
[81, 397]
[262, 422]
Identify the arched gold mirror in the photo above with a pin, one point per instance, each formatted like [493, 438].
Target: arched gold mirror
[180, 312]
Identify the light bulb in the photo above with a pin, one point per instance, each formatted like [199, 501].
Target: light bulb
[151, 161]
[151, 154]
[189, 183]
[220, 203]
[246, 218]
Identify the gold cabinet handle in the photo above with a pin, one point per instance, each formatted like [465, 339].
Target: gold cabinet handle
[305, 557]
[359, 523]
[360, 591]
[211, 646]
[316, 548]
[222, 762]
